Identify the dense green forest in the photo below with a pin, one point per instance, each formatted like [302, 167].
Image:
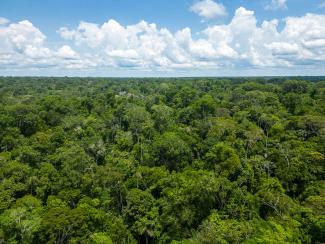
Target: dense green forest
[198, 160]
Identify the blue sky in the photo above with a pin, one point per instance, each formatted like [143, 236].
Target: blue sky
[189, 37]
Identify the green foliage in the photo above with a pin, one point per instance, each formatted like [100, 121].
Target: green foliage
[170, 150]
[22, 222]
[188, 160]
[217, 230]
[100, 238]
[62, 223]
[142, 214]
[223, 159]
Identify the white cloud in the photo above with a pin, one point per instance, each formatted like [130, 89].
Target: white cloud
[276, 4]
[143, 46]
[3, 21]
[22, 34]
[66, 52]
[208, 9]
[283, 48]
[241, 42]
[22, 42]
[22, 46]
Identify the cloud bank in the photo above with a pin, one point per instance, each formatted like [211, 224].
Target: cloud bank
[209, 9]
[145, 46]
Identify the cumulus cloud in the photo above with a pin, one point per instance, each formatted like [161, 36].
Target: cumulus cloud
[276, 4]
[209, 9]
[66, 52]
[242, 42]
[22, 45]
[3, 21]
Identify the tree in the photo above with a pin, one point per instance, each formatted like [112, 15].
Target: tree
[292, 102]
[139, 120]
[217, 230]
[170, 150]
[142, 214]
[22, 222]
[205, 106]
[273, 200]
[296, 86]
[223, 159]
[100, 238]
[14, 182]
[61, 224]
[187, 198]
[162, 116]
[26, 119]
